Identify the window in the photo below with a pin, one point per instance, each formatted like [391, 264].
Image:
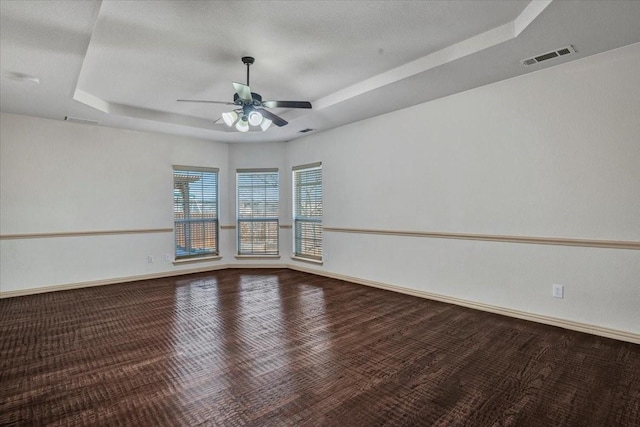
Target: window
[195, 211]
[258, 210]
[307, 211]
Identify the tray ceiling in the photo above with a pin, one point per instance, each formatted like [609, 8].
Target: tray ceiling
[124, 64]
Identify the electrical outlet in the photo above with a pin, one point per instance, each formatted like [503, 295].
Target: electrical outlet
[150, 259]
[167, 257]
[558, 291]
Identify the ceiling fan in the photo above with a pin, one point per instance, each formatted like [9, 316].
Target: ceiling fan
[250, 106]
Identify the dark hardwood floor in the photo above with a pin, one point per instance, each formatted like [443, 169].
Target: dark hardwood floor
[279, 347]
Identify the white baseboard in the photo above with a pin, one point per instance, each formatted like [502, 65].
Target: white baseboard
[547, 320]
[78, 285]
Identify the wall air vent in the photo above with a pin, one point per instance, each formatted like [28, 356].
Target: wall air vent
[549, 55]
[81, 121]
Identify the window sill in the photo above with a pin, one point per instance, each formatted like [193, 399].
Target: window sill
[199, 259]
[309, 260]
[257, 256]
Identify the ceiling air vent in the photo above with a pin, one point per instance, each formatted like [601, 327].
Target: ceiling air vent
[79, 120]
[549, 55]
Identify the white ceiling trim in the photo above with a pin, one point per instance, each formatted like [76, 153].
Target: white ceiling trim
[531, 12]
[92, 101]
[467, 47]
[143, 113]
[470, 46]
[124, 64]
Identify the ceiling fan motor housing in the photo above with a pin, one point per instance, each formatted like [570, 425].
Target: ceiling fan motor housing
[256, 100]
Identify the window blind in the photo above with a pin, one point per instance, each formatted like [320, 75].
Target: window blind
[307, 211]
[258, 211]
[195, 209]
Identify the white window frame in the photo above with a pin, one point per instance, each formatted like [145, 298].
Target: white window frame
[264, 216]
[195, 218]
[307, 215]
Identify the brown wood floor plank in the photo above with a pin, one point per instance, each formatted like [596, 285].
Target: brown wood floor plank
[279, 347]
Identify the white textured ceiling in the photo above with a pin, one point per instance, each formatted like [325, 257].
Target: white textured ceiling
[125, 63]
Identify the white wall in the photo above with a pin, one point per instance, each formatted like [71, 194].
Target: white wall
[555, 153]
[64, 177]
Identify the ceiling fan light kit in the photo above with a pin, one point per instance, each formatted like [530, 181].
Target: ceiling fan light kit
[255, 118]
[265, 124]
[230, 117]
[250, 109]
[242, 125]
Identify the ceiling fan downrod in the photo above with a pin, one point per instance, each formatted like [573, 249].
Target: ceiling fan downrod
[248, 60]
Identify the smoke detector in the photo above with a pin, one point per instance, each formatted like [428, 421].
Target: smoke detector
[567, 50]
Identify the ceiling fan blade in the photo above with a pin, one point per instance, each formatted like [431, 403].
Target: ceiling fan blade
[277, 120]
[205, 101]
[243, 91]
[287, 104]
